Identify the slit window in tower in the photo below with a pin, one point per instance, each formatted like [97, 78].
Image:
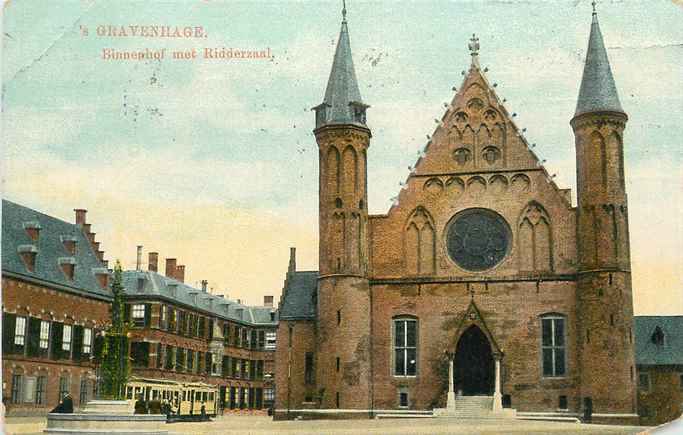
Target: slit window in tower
[338, 404]
[553, 346]
[611, 319]
[338, 317]
[309, 373]
[338, 363]
[405, 347]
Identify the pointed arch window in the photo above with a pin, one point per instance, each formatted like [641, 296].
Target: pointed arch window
[535, 240]
[420, 243]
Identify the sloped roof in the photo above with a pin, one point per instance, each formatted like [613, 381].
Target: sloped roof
[50, 249]
[598, 92]
[299, 296]
[650, 353]
[144, 284]
[342, 86]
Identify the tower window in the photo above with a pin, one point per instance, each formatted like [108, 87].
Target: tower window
[553, 345]
[309, 373]
[611, 319]
[405, 347]
[338, 363]
[563, 402]
[338, 317]
[644, 382]
[338, 401]
[338, 203]
[588, 335]
[658, 336]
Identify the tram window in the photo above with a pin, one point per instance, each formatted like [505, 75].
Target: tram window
[211, 397]
[198, 396]
[184, 396]
[129, 392]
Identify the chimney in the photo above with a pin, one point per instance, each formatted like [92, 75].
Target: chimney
[204, 284]
[170, 267]
[153, 265]
[180, 273]
[292, 260]
[138, 261]
[268, 301]
[80, 216]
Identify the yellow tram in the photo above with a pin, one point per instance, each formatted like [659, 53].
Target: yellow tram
[184, 398]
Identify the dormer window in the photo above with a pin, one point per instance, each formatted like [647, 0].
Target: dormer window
[69, 244]
[358, 111]
[32, 229]
[28, 255]
[658, 336]
[321, 114]
[68, 265]
[141, 284]
[102, 275]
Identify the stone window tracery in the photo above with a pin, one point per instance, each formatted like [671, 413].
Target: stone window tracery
[420, 243]
[535, 240]
[462, 156]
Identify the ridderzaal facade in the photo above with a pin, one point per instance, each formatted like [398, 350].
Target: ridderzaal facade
[482, 268]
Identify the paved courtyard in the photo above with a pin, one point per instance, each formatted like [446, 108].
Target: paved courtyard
[264, 425]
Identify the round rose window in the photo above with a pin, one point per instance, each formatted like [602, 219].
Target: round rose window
[477, 239]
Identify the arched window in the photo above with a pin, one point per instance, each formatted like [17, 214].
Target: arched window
[405, 346]
[553, 345]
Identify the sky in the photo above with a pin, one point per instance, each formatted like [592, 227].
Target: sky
[213, 162]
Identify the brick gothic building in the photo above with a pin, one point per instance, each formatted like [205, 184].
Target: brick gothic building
[482, 263]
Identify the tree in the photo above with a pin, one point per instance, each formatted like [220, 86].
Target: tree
[115, 368]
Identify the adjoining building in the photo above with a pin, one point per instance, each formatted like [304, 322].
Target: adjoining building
[659, 360]
[55, 303]
[187, 334]
[482, 266]
[56, 299]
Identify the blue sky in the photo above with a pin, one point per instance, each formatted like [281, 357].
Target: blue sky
[214, 162]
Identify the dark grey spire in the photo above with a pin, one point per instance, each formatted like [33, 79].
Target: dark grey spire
[342, 103]
[598, 92]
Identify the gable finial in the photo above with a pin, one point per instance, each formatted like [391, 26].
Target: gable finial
[343, 11]
[474, 49]
[593, 3]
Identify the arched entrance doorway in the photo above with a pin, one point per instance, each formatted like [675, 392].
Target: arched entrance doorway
[473, 364]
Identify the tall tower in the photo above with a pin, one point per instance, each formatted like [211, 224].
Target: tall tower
[605, 301]
[343, 351]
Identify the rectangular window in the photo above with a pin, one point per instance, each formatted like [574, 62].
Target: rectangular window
[268, 394]
[66, 338]
[163, 317]
[644, 382]
[20, 331]
[680, 379]
[87, 340]
[403, 399]
[138, 315]
[16, 388]
[405, 347]
[190, 360]
[309, 374]
[44, 334]
[563, 402]
[270, 340]
[261, 340]
[41, 383]
[553, 346]
[63, 386]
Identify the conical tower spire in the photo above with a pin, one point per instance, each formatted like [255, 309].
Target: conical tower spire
[598, 92]
[342, 103]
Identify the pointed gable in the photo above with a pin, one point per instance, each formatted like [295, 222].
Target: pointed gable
[476, 134]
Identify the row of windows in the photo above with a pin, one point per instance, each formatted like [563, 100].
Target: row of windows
[553, 346]
[35, 337]
[33, 389]
[645, 383]
[194, 325]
